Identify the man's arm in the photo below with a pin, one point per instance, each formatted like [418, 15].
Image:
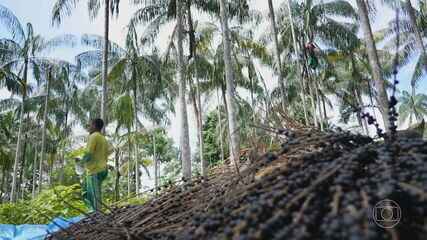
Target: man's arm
[90, 149]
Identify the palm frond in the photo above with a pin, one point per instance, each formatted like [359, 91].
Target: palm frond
[93, 7]
[61, 9]
[12, 24]
[338, 8]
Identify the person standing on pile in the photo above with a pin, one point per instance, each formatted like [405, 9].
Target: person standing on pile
[95, 163]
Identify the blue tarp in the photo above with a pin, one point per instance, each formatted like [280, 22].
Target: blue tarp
[34, 232]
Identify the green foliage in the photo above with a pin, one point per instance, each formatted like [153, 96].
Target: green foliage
[64, 201]
[13, 213]
[165, 150]
[211, 137]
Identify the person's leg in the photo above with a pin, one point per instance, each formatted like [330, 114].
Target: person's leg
[99, 178]
[96, 191]
[87, 193]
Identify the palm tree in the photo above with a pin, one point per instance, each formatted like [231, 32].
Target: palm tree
[63, 8]
[412, 107]
[411, 29]
[231, 104]
[123, 110]
[134, 73]
[411, 36]
[313, 22]
[379, 82]
[19, 55]
[277, 49]
[184, 139]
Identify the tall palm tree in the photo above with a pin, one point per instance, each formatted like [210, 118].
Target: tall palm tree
[184, 139]
[63, 8]
[277, 51]
[412, 107]
[19, 55]
[379, 82]
[411, 29]
[313, 22]
[231, 104]
[411, 36]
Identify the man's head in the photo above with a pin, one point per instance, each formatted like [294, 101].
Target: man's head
[96, 125]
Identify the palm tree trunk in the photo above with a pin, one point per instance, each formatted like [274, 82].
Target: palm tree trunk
[360, 102]
[20, 188]
[62, 173]
[3, 179]
[18, 144]
[296, 49]
[321, 122]
[251, 78]
[200, 134]
[191, 32]
[104, 97]
[325, 114]
[156, 164]
[382, 98]
[313, 105]
[33, 192]
[197, 105]
[117, 179]
[232, 108]
[43, 147]
[221, 140]
[129, 163]
[277, 52]
[184, 138]
[418, 38]
[135, 100]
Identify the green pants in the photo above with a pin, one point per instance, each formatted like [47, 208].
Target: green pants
[92, 190]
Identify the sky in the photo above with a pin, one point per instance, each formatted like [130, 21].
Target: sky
[38, 13]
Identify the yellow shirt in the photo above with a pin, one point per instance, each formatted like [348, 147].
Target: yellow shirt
[97, 152]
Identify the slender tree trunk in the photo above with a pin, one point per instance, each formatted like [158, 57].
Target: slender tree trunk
[296, 49]
[184, 138]
[62, 174]
[18, 144]
[156, 164]
[197, 105]
[43, 147]
[135, 99]
[360, 102]
[277, 52]
[232, 107]
[418, 38]
[7, 181]
[137, 180]
[117, 180]
[251, 78]
[221, 139]
[191, 32]
[321, 122]
[325, 114]
[20, 188]
[129, 164]
[3, 179]
[33, 192]
[381, 96]
[40, 178]
[313, 106]
[104, 97]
